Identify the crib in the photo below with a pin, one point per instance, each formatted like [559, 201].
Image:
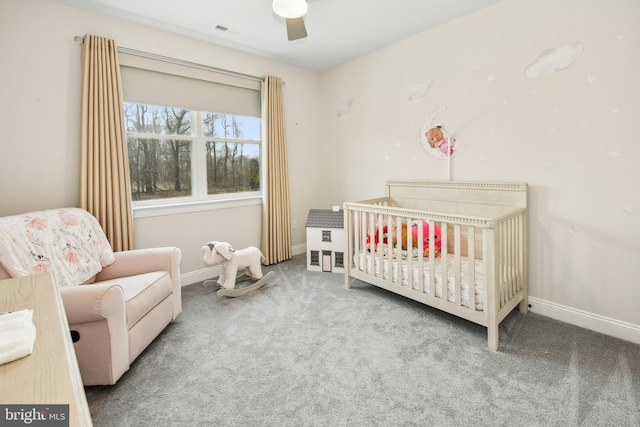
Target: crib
[478, 268]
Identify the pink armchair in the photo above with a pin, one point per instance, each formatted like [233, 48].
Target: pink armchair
[116, 303]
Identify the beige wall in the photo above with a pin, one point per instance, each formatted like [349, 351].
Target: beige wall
[39, 114]
[571, 135]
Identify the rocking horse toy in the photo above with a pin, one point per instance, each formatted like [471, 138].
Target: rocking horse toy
[230, 261]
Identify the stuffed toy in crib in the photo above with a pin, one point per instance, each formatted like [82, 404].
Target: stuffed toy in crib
[376, 238]
[425, 237]
[437, 237]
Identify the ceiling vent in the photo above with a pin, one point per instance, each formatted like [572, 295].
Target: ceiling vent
[225, 29]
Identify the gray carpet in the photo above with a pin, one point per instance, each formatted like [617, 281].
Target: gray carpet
[305, 351]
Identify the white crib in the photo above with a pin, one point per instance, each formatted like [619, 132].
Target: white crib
[481, 272]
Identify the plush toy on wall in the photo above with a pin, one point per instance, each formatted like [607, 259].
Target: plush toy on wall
[436, 139]
[231, 261]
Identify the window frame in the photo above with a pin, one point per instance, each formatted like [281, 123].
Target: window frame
[199, 200]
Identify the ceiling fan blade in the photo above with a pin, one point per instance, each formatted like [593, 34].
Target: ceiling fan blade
[295, 28]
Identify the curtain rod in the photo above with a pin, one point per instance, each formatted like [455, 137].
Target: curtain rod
[175, 61]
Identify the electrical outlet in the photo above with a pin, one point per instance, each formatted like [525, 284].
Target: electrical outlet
[294, 224]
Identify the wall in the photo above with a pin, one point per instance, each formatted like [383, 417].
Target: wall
[570, 134]
[39, 152]
[566, 126]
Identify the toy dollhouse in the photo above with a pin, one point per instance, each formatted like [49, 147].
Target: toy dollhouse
[325, 240]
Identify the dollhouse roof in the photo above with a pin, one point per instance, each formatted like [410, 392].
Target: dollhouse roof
[325, 218]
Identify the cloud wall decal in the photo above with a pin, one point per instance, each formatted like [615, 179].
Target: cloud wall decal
[552, 60]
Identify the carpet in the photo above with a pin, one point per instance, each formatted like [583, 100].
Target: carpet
[305, 351]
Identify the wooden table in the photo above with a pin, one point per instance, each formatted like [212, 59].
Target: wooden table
[50, 375]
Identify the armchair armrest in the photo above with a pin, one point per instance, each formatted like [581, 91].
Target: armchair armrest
[88, 303]
[139, 261]
[97, 313]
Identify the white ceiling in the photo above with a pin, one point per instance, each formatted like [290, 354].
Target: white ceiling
[338, 30]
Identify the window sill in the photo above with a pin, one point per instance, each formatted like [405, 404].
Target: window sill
[187, 207]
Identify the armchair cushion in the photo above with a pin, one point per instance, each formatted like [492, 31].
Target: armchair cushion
[142, 293]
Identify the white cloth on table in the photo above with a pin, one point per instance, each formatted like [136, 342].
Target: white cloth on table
[17, 335]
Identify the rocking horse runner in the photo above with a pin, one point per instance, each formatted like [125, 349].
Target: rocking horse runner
[230, 261]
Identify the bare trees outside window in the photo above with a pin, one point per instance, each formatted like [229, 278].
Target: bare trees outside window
[233, 163]
[177, 154]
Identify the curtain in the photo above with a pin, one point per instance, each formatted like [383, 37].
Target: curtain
[104, 181]
[276, 234]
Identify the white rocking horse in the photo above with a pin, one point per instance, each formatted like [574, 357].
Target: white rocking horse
[230, 261]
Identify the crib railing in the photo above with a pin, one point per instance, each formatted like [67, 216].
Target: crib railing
[374, 230]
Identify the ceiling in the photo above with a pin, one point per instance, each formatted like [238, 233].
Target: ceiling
[338, 30]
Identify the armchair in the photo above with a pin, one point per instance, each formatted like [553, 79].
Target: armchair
[116, 302]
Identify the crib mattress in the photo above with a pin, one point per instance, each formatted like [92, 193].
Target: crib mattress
[367, 258]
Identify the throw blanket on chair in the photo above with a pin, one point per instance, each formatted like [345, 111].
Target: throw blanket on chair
[68, 242]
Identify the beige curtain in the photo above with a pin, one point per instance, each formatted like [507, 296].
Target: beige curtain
[104, 181]
[276, 234]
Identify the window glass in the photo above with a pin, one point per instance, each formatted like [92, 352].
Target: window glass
[178, 155]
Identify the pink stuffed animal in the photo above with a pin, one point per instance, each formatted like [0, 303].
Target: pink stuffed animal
[436, 140]
[437, 237]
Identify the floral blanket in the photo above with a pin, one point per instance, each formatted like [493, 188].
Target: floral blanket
[68, 242]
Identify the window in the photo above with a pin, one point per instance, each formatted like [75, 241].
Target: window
[193, 134]
[326, 235]
[178, 155]
[339, 259]
[315, 258]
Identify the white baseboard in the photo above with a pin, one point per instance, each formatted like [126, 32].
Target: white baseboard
[199, 275]
[211, 272]
[299, 249]
[604, 325]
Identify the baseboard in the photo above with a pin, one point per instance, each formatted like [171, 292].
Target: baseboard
[199, 275]
[211, 272]
[299, 249]
[604, 325]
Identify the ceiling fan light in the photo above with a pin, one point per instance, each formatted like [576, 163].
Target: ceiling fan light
[290, 8]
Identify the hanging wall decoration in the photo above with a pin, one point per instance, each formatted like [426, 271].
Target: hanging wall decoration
[437, 140]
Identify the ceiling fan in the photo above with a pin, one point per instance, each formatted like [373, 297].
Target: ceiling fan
[293, 12]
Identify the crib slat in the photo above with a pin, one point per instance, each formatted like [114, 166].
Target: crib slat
[432, 259]
[457, 297]
[507, 261]
[510, 259]
[389, 248]
[380, 246]
[471, 268]
[409, 253]
[372, 244]
[520, 245]
[443, 264]
[397, 249]
[420, 240]
[349, 246]
[357, 237]
[512, 277]
[501, 264]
